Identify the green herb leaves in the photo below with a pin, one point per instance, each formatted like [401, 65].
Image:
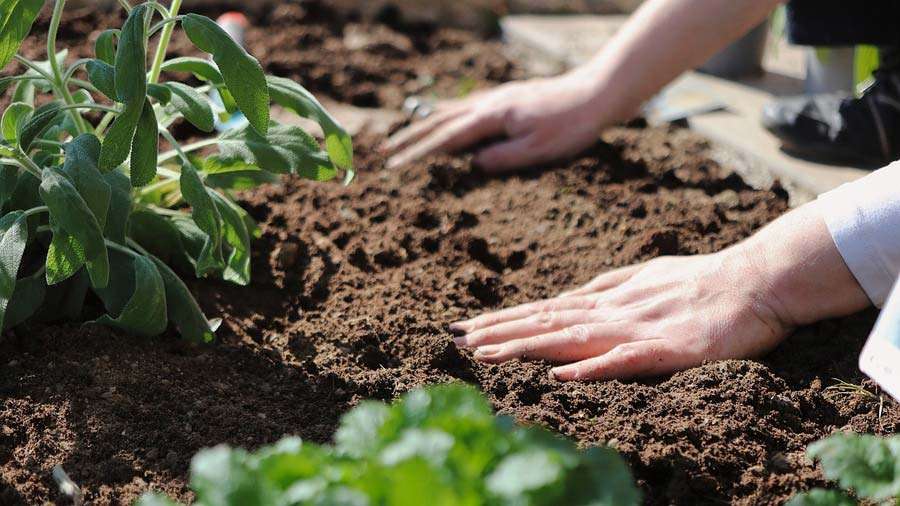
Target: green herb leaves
[74, 217]
[91, 223]
[130, 80]
[866, 464]
[144, 312]
[242, 73]
[16, 18]
[443, 443]
[13, 239]
[291, 95]
[192, 105]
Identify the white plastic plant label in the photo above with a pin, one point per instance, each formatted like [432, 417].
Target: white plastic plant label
[880, 358]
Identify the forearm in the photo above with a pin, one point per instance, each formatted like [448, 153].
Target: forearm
[663, 39]
[801, 269]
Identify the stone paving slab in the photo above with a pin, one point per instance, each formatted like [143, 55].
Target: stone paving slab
[725, 111]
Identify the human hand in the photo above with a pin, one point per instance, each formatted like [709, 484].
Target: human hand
[541, 120]
[665, 315]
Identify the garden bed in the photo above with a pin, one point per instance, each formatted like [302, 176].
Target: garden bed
[353, 288]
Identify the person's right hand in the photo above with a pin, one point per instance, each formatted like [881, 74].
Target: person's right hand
[535, 121]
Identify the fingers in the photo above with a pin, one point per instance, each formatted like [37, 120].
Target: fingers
[514, 154]
[605, 281]
[452, 135]
[576, 342]
[633, 359]
[541, 322]
[519, 312]
[417, 130]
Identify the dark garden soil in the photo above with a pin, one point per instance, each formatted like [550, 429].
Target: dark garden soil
[354, 286]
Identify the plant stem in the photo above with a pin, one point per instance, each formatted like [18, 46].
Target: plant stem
[26, 163]
[107, 119]
[70, 71]
[92, 107]
[125, 5]
[47, 143]
[21, 78]
[168, 155]
[33, 66]
[155, 186]
[36, 210]
[137, 247]
[166, 22]
[179, 152]
[84, 84]
[164, 43]
[118, 247]
[165, 211]
[61, 86]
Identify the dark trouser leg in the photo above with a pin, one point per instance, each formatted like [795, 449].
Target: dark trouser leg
[844, 22]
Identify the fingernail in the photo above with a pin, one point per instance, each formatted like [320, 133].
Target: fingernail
[560, 374]
[461, 341]
[486, 352]
[457, 329]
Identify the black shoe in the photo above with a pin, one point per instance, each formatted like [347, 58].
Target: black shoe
[829, 127]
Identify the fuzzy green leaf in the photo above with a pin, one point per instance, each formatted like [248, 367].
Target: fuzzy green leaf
[40, 83]
[523, 473]
[242, 73]
[207, 217]
[26, 301]
[192, 105]
[119, 206]
[16, 18]
[131, 57]
[236, 236]
[13, 239]
[24, 92]
[205, 71]
[202, 69]
[80, 167]
[869, 465]
[73, 215]
[105, 46]
[183, 309]
[145, 148]
[65, 257]
[14, 118]
[284, 150]
[103, 76]
[291, 95]
[160, 236]
[160, 93]
[357, 435]
[145, 312]
[821, 497]
[8, 178]
[131, 89]
[43, 118]
[117, 143]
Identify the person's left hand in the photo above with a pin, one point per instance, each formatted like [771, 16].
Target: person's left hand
[668, 314]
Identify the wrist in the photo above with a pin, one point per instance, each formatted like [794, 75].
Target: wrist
[604, 104]
[794, 265]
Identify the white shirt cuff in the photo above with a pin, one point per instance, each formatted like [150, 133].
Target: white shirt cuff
[864, 220]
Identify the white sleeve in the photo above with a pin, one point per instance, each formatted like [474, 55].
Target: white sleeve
[864, 220]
